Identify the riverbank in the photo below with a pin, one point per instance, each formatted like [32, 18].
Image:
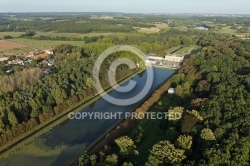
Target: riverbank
[11, 147]
[123, 126]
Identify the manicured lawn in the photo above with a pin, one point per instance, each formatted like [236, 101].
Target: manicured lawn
[185, 50]
[173, 49]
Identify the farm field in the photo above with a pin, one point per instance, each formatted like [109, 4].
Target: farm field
[8, 48]
[7, 45]
[13, 34]
[227, 29]
[45, 44]
[147, 30]
[16, 51]
[152, 29]
[243, 36]
[20, 46]
[74, 35]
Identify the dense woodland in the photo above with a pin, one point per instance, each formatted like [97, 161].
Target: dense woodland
[212, 94]
[27, 101]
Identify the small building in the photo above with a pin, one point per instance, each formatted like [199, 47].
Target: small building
[16, 62]
[153, 57]
[201, 28]
[40, 55]
[174, 58]
[30, 55]
[49, 52]
[3, 59]
[171, 91]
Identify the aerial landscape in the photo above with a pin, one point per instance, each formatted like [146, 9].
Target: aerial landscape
[125, 83]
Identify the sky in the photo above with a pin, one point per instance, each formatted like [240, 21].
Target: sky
[128, 6]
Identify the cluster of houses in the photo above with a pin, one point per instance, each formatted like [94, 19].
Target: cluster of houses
[28, 58]
[169, 60]
[32, 55]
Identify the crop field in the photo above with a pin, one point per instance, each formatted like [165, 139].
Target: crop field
[7, 45]
[74, 35]
[152, 29]
[45, 44]
[13, 34]
[227, 29]
[8, 48]
[16, 51]
[20, 46]
[147, 30]
[244, 36]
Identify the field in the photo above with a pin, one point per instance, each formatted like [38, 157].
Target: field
[185, 50]
[152, 29]
[7, 45]
[74, 35]
[20, 46]
[227, 29]
[244, 36]
[173, 49]
[181, 50]
[19, 51]
[45, 44]
[8, 48]
[13, 34]
[147, 30]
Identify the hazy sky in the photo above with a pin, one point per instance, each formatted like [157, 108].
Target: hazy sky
[135, 6]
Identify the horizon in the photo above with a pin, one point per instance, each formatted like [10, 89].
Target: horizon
[128, 6]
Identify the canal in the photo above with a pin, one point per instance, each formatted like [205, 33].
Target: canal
[67, 140]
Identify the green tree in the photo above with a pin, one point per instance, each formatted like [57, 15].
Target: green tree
[2, 126]
[196, 114]
[127, 164]
[164, 153]
[111, 160]
[175, 114]
[127, 146]
[59, 95]
[84, 160]
[93, 159]
[207, 134]
[184, 142]
[12, 118]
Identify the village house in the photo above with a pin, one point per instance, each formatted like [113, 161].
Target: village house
[3, 59]
[16, 62]
[40, 55]
[30, 55]
[174, 58]
[49, 52]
